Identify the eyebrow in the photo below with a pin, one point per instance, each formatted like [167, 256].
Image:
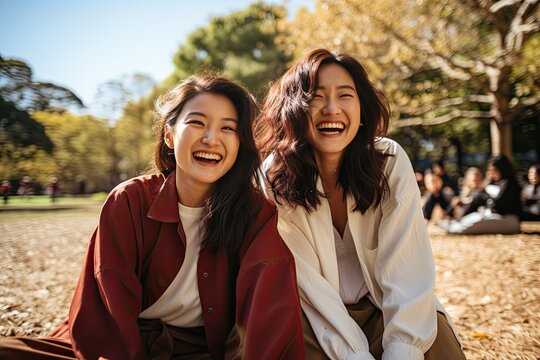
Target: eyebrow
[197, 113]
[339, 87]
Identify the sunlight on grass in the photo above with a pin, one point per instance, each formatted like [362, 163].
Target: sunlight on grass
[46, 201]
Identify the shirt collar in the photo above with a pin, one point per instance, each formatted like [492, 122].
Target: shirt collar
[164, 208]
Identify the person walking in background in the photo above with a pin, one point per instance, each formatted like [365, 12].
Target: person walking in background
[25, 190]
[5, 190]
[349, 210]
[53, 188]
[530, 195]
[187, 262]
[497, 208]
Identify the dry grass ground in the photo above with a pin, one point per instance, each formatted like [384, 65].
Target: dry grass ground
[489, 284]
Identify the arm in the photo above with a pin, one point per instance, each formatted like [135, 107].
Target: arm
[268, 320]
[478, 200]
[404, 267]
[107, 301]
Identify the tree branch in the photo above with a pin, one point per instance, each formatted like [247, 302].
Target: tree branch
[454, 114]
[518, 27]
[530, 101]
[501, 4]
[486, 99]
[454, 68]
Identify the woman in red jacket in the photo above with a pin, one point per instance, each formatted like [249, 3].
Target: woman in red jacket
[186, 262]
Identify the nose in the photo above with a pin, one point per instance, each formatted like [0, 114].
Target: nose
[210, 137]
[331, 107]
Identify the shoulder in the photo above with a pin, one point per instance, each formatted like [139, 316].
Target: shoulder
[136, 189]
[397, 159]
[390, 147]
[398, 170]
[262, 178]
[267, 162]
[262, 243]
[140, 183]
[265, 215]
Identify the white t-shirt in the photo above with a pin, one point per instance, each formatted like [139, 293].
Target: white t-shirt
[180, 304]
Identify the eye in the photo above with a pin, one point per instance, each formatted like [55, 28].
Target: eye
[229, 129]
[346, 95]
[195, 122]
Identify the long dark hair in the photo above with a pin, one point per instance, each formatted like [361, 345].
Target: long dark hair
[282, 127]
[505, 167]
[231, 205]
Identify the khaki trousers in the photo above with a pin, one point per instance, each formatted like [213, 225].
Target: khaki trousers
[369, 318]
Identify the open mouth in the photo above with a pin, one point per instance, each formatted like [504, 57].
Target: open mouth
[331, 127]
[206, 157]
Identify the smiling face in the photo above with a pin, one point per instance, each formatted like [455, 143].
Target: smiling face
[205, 143]
[334, 111]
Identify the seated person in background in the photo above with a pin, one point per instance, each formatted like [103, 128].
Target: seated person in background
[473, 183]
[496, 209]
[450, 186]
[436, 195]
[419, 175]
[530, 195]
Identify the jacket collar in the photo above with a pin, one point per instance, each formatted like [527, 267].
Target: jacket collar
[164, 208]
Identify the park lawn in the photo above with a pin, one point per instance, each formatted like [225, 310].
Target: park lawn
[41, 201]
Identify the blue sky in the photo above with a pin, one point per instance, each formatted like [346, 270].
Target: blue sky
[81, 44]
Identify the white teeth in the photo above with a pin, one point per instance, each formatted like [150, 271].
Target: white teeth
[331, 125]
[208, 156]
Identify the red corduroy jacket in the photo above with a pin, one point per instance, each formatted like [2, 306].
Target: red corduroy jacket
[135, 253]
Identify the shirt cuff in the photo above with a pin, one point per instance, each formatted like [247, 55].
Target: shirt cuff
[402, 351]
[362, 355]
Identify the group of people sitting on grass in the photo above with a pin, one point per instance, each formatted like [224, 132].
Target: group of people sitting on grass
[490, 204]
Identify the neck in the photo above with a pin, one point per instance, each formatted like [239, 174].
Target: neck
[191, 194]
[328, 166]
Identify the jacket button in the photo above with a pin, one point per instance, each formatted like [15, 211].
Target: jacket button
[205, 274]
[210, 309]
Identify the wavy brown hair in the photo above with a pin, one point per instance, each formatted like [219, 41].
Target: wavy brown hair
[281, 131]
[231, 205]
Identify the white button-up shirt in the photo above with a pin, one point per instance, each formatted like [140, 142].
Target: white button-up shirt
[394, 251]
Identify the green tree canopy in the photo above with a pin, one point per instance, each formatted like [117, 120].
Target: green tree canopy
[18, 86]
[244, 44]
[81, 150]
[134, 137]
[25, 145]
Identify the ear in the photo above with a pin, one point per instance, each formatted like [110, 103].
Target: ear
[168, 137]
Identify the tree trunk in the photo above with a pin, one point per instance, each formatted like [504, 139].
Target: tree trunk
[501, 123]
[459, 153]
[501, 138]
[506, 138]
[495, 137]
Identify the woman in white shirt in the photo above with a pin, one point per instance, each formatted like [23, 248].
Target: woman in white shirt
[349, 210]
